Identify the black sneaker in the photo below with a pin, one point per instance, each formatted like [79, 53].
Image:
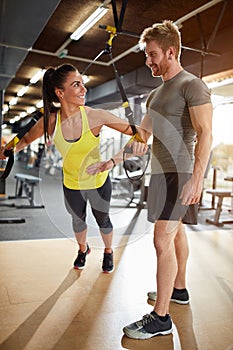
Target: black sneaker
[80, 261]
[108, 265]
[179, 297]
[148, 327]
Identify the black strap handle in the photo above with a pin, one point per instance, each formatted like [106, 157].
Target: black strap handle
[9, 164]
[9, 151]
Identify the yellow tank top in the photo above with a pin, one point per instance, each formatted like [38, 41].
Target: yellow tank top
[78, 155]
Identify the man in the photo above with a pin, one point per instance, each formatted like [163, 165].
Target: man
[179, 115]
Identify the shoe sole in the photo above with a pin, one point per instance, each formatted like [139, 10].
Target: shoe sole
[181, 302]
[147, 335]
[107, 272]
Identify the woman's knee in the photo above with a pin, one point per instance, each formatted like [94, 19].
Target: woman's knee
[78, 224]
[104, 222]
[106, 230]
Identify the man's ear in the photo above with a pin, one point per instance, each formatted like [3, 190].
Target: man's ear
[171, 52]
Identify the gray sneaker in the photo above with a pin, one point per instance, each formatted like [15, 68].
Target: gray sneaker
[177, 297]
[148, 327]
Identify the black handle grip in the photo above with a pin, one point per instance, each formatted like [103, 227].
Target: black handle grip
[7, 152]
[102, 26]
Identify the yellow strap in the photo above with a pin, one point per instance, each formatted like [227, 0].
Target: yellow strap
[12, 143]
[136, 137]
[111, 29]
[111, 37]
[125, 104]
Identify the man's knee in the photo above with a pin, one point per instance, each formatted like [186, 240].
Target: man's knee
[164, 234]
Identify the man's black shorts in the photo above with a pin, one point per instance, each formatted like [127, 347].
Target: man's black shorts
[164, 199]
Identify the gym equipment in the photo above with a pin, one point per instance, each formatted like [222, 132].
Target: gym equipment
[26, 183]
[113, 31]
[9, 152]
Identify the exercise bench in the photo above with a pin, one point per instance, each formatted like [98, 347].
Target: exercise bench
[26, 183]
[221, 194]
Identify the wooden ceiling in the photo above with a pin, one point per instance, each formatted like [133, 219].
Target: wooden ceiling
[206, 40]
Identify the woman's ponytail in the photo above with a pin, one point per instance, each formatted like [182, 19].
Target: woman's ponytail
[49, 96]
[53, 78]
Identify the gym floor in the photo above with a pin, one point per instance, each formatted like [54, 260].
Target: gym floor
[46, 304]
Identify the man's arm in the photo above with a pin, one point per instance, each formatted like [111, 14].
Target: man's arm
[146, 127]
[201, 117]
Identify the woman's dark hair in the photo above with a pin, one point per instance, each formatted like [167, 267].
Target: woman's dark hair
[53, 78]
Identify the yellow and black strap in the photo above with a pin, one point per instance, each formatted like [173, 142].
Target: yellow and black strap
[10, 147]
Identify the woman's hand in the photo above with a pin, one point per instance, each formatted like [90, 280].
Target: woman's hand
[2, 155]
[100, 167]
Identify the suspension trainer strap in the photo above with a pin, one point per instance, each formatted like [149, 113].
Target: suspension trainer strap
[9, 151]
[125, 104]
[122, 13]
[113, 31]
[114, 10]
[129, 116]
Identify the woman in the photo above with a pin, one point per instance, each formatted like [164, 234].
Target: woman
[75, 130]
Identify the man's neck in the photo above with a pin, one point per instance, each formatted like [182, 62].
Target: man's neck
[173, 71]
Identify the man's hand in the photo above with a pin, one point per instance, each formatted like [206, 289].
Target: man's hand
[191, 191]
[138, 148]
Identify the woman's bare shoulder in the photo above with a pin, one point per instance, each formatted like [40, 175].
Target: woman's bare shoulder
[92, 111]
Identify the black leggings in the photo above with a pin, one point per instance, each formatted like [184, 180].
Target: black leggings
[99, 199]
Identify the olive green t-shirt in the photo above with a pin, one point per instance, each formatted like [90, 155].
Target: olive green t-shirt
[173, 133]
